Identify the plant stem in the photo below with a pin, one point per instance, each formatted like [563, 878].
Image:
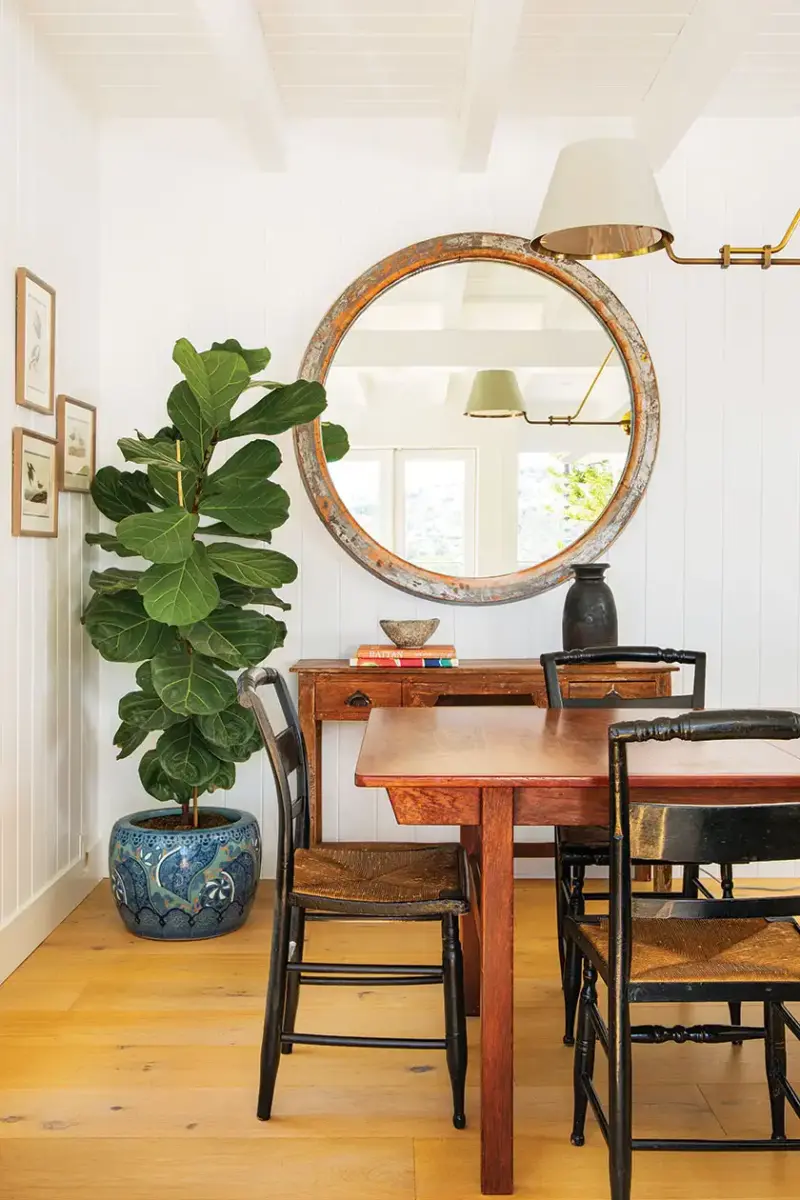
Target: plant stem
[180, 473]
[195, 812]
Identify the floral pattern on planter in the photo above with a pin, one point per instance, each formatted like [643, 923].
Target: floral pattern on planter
[184, 884]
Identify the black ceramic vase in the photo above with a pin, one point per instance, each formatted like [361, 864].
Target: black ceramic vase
[590, 614]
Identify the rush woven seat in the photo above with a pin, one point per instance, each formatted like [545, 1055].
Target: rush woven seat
[745, 950]
[428, 876]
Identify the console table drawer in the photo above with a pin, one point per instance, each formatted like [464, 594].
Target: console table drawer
[353, 699]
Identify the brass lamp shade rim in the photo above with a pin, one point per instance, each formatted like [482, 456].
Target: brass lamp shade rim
[551, 244]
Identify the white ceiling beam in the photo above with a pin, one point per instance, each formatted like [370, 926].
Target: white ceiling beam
[713, 37]
[495, 27]
[235, 34]
[459, 349]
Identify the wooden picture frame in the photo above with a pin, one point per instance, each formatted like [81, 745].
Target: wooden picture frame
[76, 431]
[33, 472]
[36, 342]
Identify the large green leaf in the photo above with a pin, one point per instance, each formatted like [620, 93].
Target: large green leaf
[151, 451]
[122, 631]
[335, 442]
[254, 463]
[254, 507]
[217, 378]
[240, 638]
[144, 677]
[144, 710]
[231, 728]
[269, 599]
[254, 568]
[115, 579]
[279, 410]
[239, 595]
[180, 593]
[128, 738]
[163, 537]
[191, 422]
[220, 529]
[107, 541]
[256, 359]
[224, 779]
[158, 783]
[185, 755]
[190, 685]
[119, 493]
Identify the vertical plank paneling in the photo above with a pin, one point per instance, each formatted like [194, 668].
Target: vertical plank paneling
[48, 195]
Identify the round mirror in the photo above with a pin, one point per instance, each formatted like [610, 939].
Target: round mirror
[502, 416]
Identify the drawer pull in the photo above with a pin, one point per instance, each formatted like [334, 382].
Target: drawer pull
[358, 700]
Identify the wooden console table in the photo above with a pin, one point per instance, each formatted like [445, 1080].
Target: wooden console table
[331, 690]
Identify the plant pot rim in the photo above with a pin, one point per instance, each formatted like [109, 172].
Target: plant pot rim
[133, 820]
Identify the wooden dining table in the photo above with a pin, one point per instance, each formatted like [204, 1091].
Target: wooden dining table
[489, 769]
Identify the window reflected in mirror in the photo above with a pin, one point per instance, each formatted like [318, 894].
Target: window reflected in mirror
[483, 479]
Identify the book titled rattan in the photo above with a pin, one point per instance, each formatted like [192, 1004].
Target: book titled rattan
[394, 656]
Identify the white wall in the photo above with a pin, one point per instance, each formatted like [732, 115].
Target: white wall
[197, 243]
[48, 218]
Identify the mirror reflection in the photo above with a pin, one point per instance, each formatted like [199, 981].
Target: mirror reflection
[488, 414]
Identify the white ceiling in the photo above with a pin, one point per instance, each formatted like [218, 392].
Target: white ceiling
[466, 61]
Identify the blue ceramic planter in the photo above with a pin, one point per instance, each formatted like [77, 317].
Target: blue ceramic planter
[184, 884]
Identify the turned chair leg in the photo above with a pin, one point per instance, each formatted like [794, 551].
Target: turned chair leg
[726, 880]
[454, 1016]
[273, 1021]
[571, 981]
[620, 1108]
[297, 930]
[775, 1053]
[583, 1068]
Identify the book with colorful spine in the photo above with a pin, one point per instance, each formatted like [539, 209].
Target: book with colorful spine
[395, 656]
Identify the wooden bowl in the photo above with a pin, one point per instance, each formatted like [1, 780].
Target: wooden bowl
[410, 635]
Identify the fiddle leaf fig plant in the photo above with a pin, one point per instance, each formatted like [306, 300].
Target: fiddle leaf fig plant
[191, 616]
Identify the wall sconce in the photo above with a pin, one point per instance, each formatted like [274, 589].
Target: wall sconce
[603, 202]
[497, 394]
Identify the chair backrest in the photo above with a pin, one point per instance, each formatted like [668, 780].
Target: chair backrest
[679, 833]
[598, 655]
[287, 756]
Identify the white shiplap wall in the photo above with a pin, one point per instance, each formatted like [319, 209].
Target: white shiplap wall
[197, 243]
[48, 803]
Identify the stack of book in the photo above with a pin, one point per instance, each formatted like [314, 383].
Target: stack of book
[394, 656]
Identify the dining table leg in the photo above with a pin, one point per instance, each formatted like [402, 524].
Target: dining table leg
[470, 924]
[497, 994]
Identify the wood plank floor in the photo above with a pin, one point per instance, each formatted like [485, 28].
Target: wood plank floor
[128, 1069]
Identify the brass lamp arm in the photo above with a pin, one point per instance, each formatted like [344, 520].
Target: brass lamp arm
[571, 421]
[756, 256]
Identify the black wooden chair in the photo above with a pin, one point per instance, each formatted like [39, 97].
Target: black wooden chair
[579, 847]
[417, 883]
[681, 950]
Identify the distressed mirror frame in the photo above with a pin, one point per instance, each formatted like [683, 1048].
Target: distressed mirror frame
[591, 291]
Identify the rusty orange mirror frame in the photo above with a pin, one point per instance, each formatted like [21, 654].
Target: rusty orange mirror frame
[588, 288]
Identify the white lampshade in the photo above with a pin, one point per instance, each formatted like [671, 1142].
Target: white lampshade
[495, 394]
[603, 202]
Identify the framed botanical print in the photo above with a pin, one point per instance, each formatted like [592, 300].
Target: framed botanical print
[34, 497]
[36, 342]
[77, 438]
